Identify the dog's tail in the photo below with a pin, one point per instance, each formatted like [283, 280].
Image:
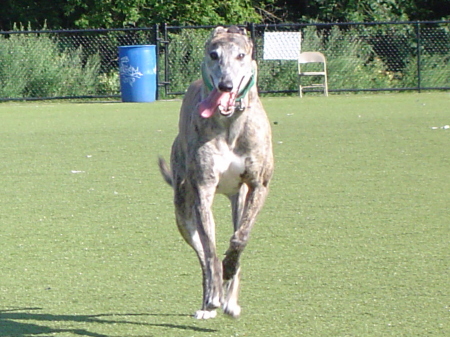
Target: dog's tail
[165, 171]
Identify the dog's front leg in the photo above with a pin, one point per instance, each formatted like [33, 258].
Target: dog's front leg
[210, 263]
[245, 211]
[252, 205]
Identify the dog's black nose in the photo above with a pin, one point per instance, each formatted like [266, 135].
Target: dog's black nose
[226, 86]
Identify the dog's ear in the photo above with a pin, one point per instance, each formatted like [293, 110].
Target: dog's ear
[219, 30]
[243, 31]
[237, 30]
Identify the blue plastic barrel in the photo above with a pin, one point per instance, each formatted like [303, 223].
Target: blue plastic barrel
[137, 66]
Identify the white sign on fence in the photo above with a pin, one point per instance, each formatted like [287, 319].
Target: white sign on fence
[282, 45]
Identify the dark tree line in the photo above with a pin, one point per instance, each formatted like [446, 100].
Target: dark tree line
[67, 14]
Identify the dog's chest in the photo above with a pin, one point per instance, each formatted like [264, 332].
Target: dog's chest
[230, 168]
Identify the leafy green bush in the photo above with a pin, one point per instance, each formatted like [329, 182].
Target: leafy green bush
[350, 62]
[357, 58]
[434, 72]
[33, 65]
[109, 83]
[186, 52]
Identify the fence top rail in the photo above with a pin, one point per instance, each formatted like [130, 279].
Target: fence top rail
[196, 27]
[71, 31]
[351, 23]
[274, 25]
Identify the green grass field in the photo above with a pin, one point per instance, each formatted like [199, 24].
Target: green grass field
[353, 240]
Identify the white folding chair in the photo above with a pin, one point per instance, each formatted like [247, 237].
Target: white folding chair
[312, 57]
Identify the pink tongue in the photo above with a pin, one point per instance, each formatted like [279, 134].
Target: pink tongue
[207, 107]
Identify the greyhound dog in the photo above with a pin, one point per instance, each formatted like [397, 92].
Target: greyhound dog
[224, 145]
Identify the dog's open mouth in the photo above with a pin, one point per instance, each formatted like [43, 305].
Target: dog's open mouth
[224, 101]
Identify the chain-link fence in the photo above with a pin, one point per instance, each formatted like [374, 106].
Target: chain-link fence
[64, 64]
[360, 57]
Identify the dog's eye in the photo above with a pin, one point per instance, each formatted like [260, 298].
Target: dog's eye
[240, 56]
[213, 55]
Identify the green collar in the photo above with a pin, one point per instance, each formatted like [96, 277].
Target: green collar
[241, 94]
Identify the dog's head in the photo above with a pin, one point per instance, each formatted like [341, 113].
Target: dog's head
[228, 69]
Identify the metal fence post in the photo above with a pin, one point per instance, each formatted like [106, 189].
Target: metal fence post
[156, 41]
[418, 56]
[166, 58]
[251, 28]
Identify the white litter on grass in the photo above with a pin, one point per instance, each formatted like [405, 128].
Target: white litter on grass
[74, 171]
[445, 127]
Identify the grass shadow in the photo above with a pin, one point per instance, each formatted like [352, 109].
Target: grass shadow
[13, 322]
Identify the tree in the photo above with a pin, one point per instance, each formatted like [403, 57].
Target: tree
[140, 13]
[36, 14]
[361, 11]
[68, 14]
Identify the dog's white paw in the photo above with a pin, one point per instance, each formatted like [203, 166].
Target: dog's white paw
[205, 314]
[215, 303]
[232, 309]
